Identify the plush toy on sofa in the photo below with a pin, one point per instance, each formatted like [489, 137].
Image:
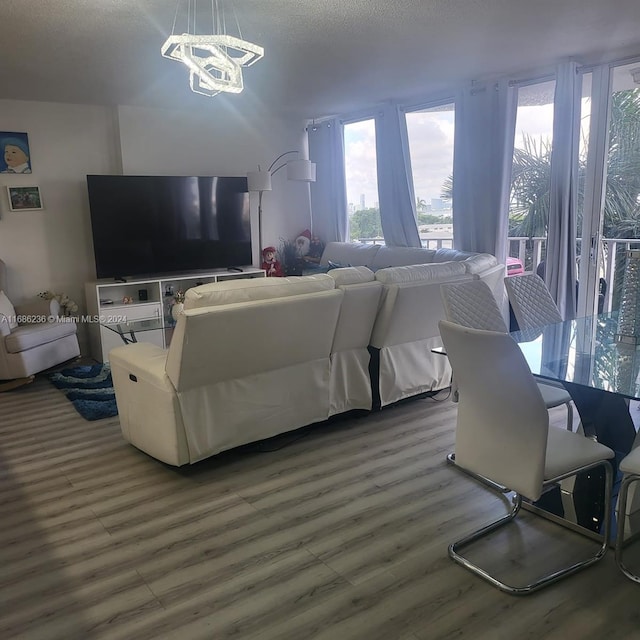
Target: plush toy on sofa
[309, 247]
[270, 263]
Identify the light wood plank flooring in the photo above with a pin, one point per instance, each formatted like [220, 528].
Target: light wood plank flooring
[342, 534]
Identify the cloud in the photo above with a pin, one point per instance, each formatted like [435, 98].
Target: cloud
[430, 145]
[431, 136]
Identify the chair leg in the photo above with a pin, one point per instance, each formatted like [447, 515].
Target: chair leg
[451, 459]
[622, 514]
[569, 406]
[549, 578]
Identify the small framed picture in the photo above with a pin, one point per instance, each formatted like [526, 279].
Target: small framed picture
[15, 156]
[24, 198]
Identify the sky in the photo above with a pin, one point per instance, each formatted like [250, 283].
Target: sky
[431, 134]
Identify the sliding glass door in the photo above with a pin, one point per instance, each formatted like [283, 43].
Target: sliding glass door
[609, 216]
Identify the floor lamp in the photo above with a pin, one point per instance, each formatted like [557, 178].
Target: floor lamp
[299, 169]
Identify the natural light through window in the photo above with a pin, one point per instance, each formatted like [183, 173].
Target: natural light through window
[431, 134]
[362, 181]
[531, 174]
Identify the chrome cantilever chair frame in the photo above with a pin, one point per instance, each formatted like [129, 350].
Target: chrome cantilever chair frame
[631, 468]
[548, 579]
[503, 434]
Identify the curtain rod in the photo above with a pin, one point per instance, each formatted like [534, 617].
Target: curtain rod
[525, 82]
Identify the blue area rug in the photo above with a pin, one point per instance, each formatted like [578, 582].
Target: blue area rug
[89, 388]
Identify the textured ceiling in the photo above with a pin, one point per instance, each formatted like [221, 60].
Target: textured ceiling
[321, 56]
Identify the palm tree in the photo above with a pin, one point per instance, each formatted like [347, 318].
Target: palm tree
[531, 177]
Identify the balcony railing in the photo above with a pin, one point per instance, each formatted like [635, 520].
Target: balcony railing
[531, 252]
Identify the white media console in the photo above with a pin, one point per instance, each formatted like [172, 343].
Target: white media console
[150, 299]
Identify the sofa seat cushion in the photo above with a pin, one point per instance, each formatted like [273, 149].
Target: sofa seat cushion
[401, 257]
[247, 290]
[421, 272]
[28, 336]
[479, 263]
[349, 254]
[352, 275]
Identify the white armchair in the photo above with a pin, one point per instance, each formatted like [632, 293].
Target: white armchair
[29, 341]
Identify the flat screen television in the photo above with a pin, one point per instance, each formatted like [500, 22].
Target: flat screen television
[147, 225]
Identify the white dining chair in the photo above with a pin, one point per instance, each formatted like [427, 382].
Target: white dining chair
[503, 434]
[630, 466]
[471, 304]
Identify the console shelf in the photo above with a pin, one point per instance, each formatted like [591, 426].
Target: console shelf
[141, 299]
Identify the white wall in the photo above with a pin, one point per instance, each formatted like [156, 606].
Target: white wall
[52, 249]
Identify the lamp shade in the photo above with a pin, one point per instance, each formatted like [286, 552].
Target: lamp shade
[301, 170]
[259, 181]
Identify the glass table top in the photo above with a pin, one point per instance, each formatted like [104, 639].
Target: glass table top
[148, 324]
[128, 330]
[583, 351]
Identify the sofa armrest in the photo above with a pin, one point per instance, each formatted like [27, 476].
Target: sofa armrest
[39, 308]
[143, 360]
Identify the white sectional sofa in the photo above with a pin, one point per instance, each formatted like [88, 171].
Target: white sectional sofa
[249, 359]
[253, 358]
[406, 326]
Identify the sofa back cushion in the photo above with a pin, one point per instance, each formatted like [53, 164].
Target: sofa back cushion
[401, 256]
[421, 273]
[236, 340]
[248, 289]
[351, 275]
[411, 306]
[349, 254]
[480, 262]
[447, 255]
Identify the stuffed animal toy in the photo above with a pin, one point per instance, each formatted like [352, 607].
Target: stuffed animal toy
[309, 247]
[270, 263]
[303, 243]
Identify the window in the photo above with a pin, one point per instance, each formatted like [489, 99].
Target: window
[362, 181]
[531, 174]
[431, 135]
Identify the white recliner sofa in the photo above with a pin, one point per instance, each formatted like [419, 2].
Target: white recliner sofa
[249, 359]
[406, 326]
[32, 335]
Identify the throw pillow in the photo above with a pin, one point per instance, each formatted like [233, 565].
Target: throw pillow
[7, 310]
[337, 265]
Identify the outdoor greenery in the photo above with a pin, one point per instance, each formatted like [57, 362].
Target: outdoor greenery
[365, 223]
[531, 177]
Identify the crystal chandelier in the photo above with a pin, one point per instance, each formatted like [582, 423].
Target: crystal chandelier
[214, 61]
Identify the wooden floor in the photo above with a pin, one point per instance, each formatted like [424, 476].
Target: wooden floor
[340, 535]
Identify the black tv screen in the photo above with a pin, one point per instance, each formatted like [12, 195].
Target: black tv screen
[147, 225]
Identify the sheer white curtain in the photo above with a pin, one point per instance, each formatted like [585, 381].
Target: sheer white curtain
[329, 191]
[395, 180]
[483, 155]
[560, 272]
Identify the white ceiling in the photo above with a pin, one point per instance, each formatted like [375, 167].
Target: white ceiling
[321, 56]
